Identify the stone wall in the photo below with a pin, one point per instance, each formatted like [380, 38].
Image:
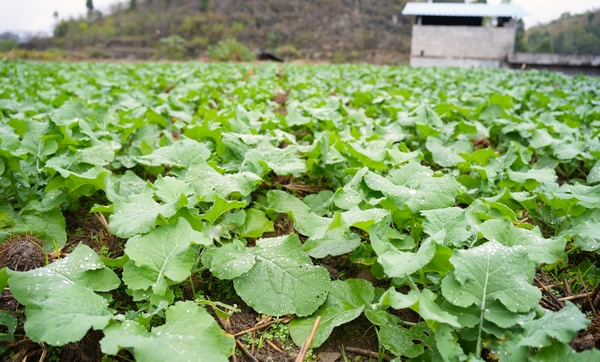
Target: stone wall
[462, 42]
[564, 63]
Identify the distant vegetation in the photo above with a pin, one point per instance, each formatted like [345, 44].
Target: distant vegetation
[333, 30]
[319, 29]
[8, 41]
[570, 34]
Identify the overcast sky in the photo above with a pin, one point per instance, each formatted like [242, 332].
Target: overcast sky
[36, 16]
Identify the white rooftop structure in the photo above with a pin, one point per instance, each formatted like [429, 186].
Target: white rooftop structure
[462, 9]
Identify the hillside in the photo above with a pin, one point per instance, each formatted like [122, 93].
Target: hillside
[570, 34]
[339, 30]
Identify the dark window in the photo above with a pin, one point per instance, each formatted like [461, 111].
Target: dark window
[452, 20]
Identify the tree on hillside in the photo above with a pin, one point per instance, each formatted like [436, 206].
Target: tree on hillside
[204, 5]
[132, 4]
[90, 5]
[520, 42]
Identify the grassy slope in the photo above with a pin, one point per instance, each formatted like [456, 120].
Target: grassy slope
[315, 27]
[571, 34]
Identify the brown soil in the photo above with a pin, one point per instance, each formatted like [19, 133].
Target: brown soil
[588, 338]
[86, 350]
[481, 142]
[557, 293]
[22, 253]
[257, 340]
[92, 230]
[281, 99]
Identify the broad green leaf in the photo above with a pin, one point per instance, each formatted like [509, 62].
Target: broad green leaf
[594, 175]
[406, 342]
[326, 236]
[304, 220]
[363, 219]
[426, 115]
[452, 221]
[503, 100]
[143, 279]
[586, 233]
[541, 138]
[399, 157]
[380, 317]
[347, 198]
[69, 112]
[571, 200]
[482, 157]
[561, 352]
[371, 154]
[430, 311]
[181, 153]
[121, 187]
[162, 256]
[337, 241]
[569, 150]
[399, 264]
[49, 225]
[38, 140]
[345, 302]
[138, 214]
[283, 161]
[488, 279]
[415, 186]
[447, 155]
[9, 140]
[422, 302]
[538, 249]
[220, 207]
[283, 202]
[283, 280]
[82, 182]
[559, 326]
[256, 224]
[544, 175]
[71, 282]
[319, 203]
[170, 188]
[208, 182]
[446, 348]
[295, 118]
[10, 322]
[189, 334]
[229, 261]
[490, 272]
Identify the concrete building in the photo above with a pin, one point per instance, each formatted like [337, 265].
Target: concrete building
[462, 35]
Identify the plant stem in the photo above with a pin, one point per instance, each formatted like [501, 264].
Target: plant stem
[412, 284]
[424, 281]
[192, 286]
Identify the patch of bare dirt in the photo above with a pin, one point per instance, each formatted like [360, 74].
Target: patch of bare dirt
[22, 253]
[357, 340]
[557, 293]
[92, 230]
[588, 338]
[281, 99]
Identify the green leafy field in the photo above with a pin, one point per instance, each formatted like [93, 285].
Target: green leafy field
[453, 188]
